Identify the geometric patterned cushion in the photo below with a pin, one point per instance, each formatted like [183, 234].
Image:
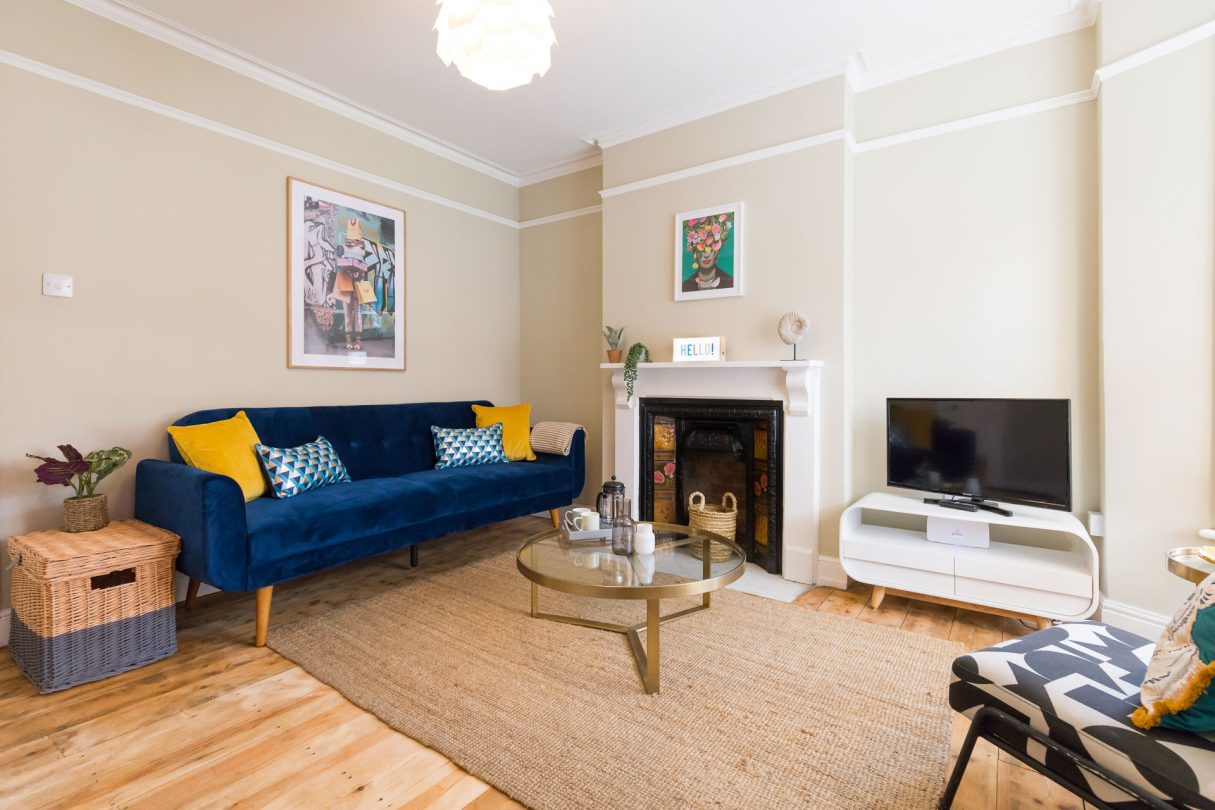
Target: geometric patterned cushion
[298, 469]
[1079, 683]
[464, 447]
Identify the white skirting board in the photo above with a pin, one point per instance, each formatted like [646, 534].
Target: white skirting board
[831, 572]
[1135, 620]
[6, 623]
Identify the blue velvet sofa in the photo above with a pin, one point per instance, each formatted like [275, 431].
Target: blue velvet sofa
[395, 500]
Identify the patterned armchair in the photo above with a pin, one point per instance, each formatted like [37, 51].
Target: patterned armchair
[1060, 700]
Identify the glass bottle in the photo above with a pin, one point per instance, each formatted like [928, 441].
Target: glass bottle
[622, 529]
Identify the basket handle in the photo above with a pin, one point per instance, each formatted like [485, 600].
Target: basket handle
[733, 501]
[692, 499]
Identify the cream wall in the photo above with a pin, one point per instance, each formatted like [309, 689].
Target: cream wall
[1157, 300]
[560, 309]
[176, 237]
[793, 251]
[977, 277]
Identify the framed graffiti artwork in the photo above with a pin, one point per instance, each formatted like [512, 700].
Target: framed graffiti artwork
[708, 253]
[345, 280]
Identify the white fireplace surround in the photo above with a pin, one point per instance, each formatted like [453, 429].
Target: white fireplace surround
[797, 383]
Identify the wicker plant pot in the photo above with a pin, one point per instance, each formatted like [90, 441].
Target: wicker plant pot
[614, 355]
[86, 514]
[721, 520]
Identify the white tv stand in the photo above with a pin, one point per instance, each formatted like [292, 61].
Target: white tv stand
[1056, 580]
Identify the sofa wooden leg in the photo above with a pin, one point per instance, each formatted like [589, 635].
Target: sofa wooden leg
[192, 594]
[263, 615]
[413, 556]
[555, 514]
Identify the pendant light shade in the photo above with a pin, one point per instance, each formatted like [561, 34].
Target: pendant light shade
[499, 44]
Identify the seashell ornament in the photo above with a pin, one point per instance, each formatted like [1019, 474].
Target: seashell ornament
[791, 329]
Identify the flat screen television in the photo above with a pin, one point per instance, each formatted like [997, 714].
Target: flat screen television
[1012, 450]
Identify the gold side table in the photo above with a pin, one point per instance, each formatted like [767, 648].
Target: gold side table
[591, 569]
[1188, 564]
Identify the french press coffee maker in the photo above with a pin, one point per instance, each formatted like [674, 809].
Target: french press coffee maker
[610, 502]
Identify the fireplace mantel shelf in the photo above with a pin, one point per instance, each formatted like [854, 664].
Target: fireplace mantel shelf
[722, 378]
[723, 364]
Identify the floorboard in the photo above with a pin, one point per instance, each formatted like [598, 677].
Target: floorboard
[225, 724]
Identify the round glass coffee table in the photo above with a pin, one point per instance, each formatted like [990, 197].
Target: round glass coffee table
[591, 569]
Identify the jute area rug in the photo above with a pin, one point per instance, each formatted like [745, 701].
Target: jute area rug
[763, 704]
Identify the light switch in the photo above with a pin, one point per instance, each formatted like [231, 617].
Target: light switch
[54, 284]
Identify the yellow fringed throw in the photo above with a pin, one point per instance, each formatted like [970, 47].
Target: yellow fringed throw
[1176, 674]
[1194, 687]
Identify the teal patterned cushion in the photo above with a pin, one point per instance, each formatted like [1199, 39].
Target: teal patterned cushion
[298, 469]
[464, 447]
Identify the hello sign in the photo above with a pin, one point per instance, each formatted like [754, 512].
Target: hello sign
[698, 349]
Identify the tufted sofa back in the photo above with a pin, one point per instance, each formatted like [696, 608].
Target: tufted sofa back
[373, 441]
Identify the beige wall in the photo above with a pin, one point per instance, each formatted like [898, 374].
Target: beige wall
[1051, 67]
[1066, 253]
[560, 309]
[1157, 301]
[977, 277]
[793, 252]
[176, 238]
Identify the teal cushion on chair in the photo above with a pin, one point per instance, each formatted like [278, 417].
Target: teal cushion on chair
[464, 447]
[298, 469]
[1175, 691]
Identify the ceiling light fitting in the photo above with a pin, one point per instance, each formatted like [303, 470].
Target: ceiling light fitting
[498, 44]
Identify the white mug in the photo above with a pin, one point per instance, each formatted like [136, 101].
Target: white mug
[582, 519]
[643, 538]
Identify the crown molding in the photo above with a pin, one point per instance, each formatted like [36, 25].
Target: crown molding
[178, 36]
[117, 94]
[1081, 15]
[561, 169]
[621, 135]
[577, 212]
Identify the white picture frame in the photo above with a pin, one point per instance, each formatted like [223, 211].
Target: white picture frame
[323, 227]
[692, 228]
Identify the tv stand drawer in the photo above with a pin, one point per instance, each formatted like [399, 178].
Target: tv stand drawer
[903, 579]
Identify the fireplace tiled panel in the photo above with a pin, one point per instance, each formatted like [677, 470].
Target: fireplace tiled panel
[714, 447]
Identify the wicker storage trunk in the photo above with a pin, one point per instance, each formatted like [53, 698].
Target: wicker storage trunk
[87, 605]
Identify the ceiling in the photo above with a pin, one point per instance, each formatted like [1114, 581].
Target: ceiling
[619, 66]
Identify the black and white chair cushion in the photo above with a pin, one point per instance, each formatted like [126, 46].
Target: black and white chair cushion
[1079, 683]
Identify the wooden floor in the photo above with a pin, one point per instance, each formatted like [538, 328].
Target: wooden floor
[223, 723]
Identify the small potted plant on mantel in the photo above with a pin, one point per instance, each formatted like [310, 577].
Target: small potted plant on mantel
[86, 511]
[615, 339]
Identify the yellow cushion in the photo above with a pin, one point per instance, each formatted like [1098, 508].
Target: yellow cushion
[516, 428]
[226, 448]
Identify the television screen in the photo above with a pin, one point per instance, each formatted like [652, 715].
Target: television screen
[1014, 450]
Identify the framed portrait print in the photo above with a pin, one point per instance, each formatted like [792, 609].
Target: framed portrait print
[345, 280]
[708, 253]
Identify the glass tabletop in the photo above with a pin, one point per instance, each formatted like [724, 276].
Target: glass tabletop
[682, 565]
[1188, 563]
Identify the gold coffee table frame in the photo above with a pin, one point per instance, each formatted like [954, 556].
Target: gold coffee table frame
[647, 655]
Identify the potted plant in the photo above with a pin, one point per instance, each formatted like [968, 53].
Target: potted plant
[86, 511]
[638, 353]
[614, 338]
